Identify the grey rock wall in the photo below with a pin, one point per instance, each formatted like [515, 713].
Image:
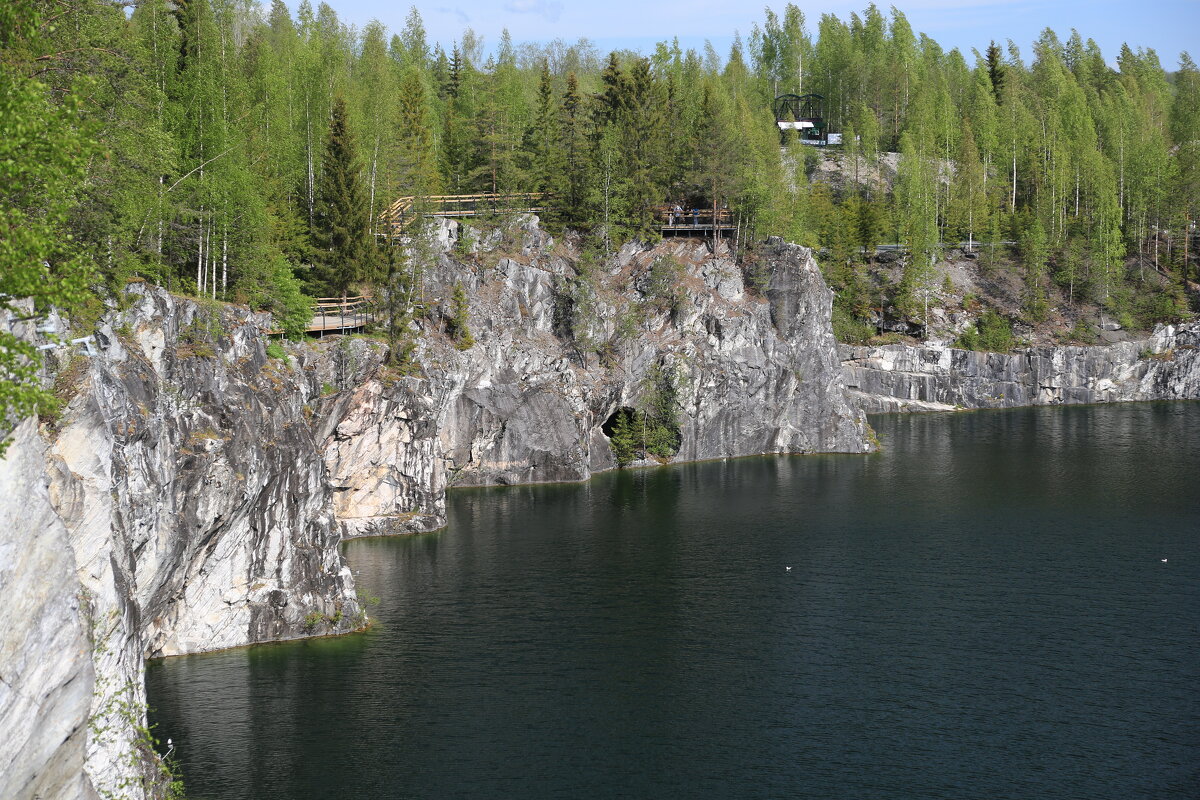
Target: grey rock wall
[46, 674]
[184, 498]
[1165, 366]
[527, 405]
[194, 491]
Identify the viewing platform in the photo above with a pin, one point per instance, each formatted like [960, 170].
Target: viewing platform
[341, 314]
[402, 213]
[405, 210]
[695, 222]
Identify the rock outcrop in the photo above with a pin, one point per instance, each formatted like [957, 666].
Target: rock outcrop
[46, 673]
[192, 494]
[185, 498]
[1165, 366]
[754, 372]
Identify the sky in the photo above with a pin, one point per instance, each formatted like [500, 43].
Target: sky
[1168, 26]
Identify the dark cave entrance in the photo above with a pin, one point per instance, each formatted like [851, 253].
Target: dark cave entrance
[609, 423]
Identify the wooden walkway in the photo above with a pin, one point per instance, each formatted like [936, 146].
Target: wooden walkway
[341, 314]
[695, 222]
[405, 210]
[402, 213]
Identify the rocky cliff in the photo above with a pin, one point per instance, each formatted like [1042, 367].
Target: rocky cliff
[193, 491]
[1165, 366]
[46, 672]
[754, 372]
[179, 504]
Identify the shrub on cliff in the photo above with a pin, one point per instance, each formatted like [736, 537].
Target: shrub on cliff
[992, 332]
[661, 435]
[457, 327]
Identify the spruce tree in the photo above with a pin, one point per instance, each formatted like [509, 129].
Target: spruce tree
[345, 254]
[416, 157]
[570, 183]
[546, 154]
[624, 438]
[459, 330]
[995, 67]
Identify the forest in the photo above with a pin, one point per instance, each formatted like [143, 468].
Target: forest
[233, 150]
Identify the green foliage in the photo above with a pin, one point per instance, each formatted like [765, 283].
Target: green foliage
[992, 333]
[756, 275]
[291, 307]
[341, 221]
[1034, 255]
[199, 338]
[653, 430]
[850, 329]
[43, 151]
[241, 156]
[1169, 306]
[623, 439]
[663, 289]
[457, 326]
[661, 435]
[1081, 333]
[575, 305]
[275, 350]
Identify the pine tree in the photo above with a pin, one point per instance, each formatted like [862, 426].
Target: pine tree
[341, 222]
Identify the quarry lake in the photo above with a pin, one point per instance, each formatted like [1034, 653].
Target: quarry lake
[998, 605]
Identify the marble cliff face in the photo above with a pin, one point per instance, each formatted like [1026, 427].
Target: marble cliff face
[1165, 366]
[755, 373]
[193, 492]
[185, 497]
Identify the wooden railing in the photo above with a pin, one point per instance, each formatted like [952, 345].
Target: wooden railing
[406, 209]
[696, 219]
[342, 313]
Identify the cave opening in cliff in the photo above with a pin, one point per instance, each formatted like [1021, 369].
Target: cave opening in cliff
[610, 424]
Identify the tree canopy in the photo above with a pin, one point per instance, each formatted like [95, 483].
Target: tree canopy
[232, 149]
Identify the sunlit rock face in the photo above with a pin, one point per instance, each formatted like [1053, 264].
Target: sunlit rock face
[1165, 366]
[188, 505]
[756, 372]
[46, 672]
[193, 492]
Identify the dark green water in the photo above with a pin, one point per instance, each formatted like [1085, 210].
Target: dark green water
[980, 611]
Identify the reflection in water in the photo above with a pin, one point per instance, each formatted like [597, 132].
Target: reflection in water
[978, 611]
